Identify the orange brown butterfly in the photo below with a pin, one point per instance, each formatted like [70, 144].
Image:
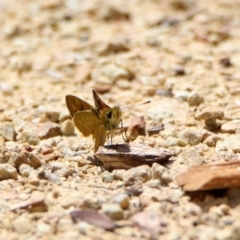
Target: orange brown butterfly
[99, 121]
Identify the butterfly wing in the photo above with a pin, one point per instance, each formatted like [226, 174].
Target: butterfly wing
[99, 104]
[75, 104]
[99, 135]
[86, 121]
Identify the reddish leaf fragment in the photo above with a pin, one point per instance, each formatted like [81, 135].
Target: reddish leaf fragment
[137, 127]
[93, 217]
[210, 176]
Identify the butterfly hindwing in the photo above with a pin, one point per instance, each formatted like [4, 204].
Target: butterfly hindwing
[86, 121]
[99, 134]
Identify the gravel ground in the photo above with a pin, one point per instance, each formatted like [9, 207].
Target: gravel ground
[183, 55]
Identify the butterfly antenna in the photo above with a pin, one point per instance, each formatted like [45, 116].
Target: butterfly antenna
[136, 105]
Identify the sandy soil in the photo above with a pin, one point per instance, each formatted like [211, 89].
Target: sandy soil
[183, 55]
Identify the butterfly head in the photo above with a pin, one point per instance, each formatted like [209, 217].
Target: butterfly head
[112, 117]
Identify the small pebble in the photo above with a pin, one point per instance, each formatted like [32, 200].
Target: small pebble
[191, 157]
[115, 72]
[195, 99]
[22, 224]
[31, 159]
[118, 174]
[6, 88]
[225, 62]
[48, 130]
[123, 200]
[113, 210]
[25, 170]
[7, 131]
[67, 127]
[64, 116]
[113, 12]
[137, 174]
[220, 210]
[181, 95]
[116, 46]
[213, 124]
[207, 114]
[212, 140]
[154, 183]
[107, 177]
[228, 127]
[30, 138]
[44, 228]
[191, 136]
[233, 143]
[123, 84]
[172, 141]
[160, 173]
[34, 181]
[52, 116]
[7, 171]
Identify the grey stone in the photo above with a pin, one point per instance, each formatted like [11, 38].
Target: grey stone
[191, 136]
[48, 130]
[107, 177]
[191, 157]
[137, 174]
[25, 170]
[195, 99]
[30, 137]
[160, 173]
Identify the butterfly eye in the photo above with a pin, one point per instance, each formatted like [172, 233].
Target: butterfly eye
[109, 115]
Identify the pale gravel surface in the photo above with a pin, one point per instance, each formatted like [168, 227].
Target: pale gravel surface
[184, 56]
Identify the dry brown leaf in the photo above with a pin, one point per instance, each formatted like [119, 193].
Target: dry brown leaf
[128, 156]
[93, 217]
[136, 128]
[210, 176]
[155, 130]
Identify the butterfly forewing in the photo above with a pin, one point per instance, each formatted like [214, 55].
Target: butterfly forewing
[99, 104]
[75, 104]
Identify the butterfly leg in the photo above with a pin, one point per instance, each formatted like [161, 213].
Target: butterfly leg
[111, 136]
[108, 137]
[124, 133]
